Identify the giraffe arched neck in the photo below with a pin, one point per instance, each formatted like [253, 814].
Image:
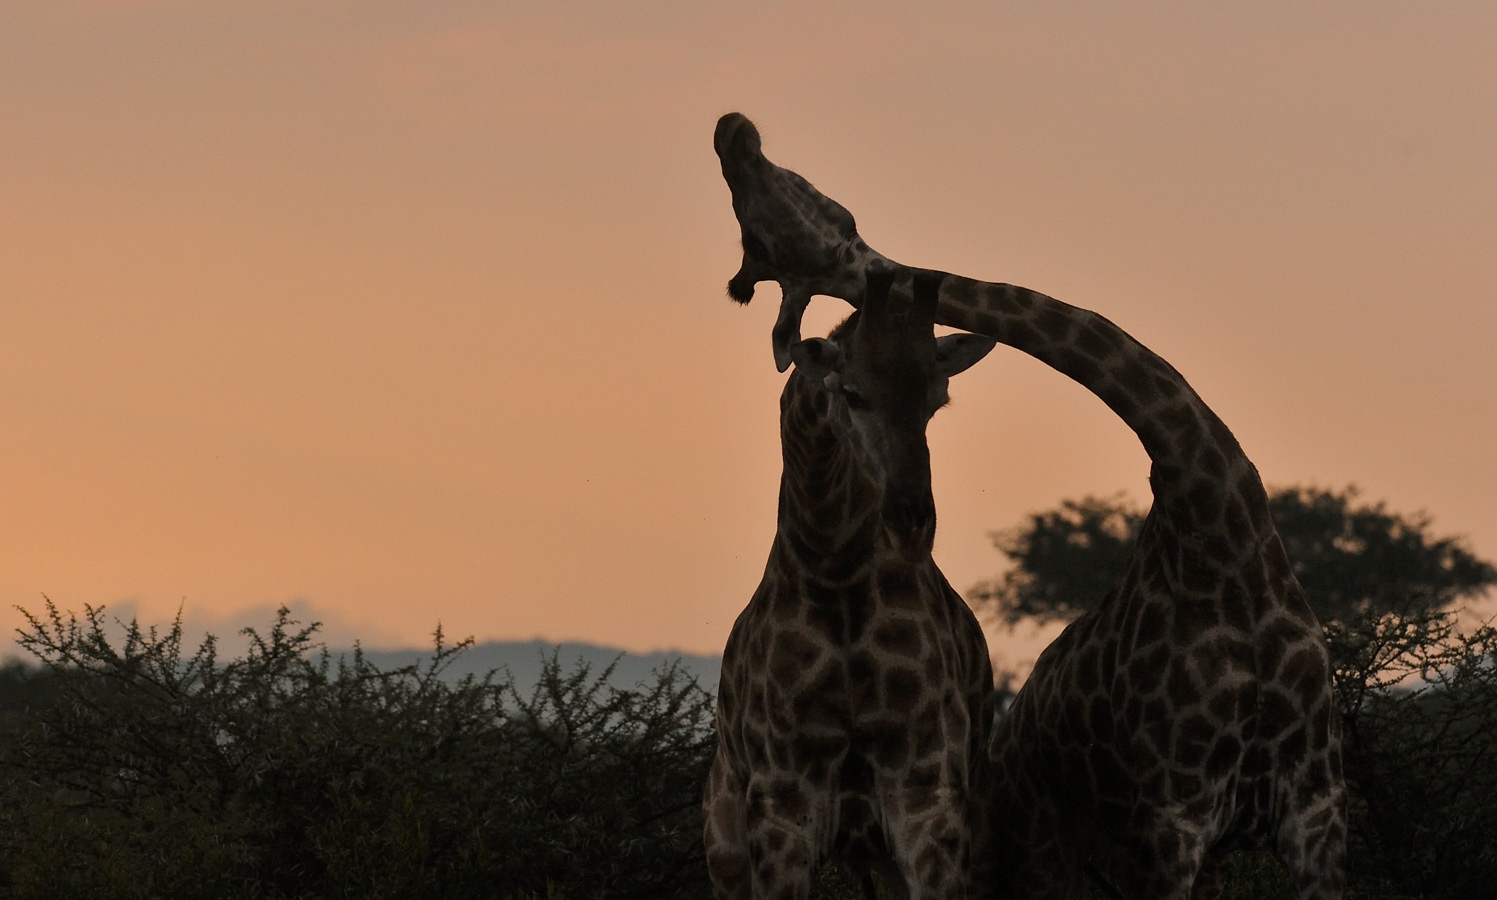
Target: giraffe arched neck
[809, 244]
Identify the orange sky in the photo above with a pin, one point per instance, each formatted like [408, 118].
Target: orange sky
[412, 313]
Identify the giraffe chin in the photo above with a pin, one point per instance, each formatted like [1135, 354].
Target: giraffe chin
[741, 289]
[751, 272]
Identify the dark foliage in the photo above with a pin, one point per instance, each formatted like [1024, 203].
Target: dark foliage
[1357, 561]
[1351, 558]
[1418, 701]
[132, 768]
[1063, 561]
[140, 771]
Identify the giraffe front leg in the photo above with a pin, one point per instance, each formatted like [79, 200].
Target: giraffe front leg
[1212, 875]
[1310, 836]
[1163, 857]
[785, 825]
[1039, 865]
[724, 834]
[931, 840]
[1312, 846]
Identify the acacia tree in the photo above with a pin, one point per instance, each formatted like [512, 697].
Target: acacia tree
[1417, 695]
[1352, 558]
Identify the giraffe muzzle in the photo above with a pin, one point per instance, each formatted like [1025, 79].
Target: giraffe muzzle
[736, 140]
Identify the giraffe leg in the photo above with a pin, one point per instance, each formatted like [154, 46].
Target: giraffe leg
[784, 818]
[1041, 873]
[929, 832]
[937, 862]
[724, 834]
[1311, 834]
[1163, 861]
[782, 860]
[1212, 874]
[1312, 846]
[888, 876]
[1028, 854]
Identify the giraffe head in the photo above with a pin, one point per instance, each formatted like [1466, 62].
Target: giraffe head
[885, 374]
[792, 233]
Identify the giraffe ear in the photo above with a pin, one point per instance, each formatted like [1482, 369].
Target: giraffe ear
[956, 353]
[816, 358]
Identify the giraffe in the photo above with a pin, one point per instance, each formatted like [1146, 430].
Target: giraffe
[854, 703]
[1191, 712]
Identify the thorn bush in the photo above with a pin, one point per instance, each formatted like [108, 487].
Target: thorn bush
[131, 768]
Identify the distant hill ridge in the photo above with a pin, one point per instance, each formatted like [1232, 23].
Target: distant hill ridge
[523, 661]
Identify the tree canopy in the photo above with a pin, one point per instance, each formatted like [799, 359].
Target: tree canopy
[1352, 558]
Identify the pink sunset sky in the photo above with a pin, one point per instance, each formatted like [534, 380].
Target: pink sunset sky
[407, 313]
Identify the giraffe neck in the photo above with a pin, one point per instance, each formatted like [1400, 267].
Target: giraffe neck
[829, 510]
[799, 237]
[1178, 430]
[1200, 474]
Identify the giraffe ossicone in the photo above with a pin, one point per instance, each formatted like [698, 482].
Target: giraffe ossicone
[1191, 712]
[854, 703]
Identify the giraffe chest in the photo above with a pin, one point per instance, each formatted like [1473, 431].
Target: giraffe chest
[885, 669]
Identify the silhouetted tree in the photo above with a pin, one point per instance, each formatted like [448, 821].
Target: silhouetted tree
[1351, 558]
[1063, 561]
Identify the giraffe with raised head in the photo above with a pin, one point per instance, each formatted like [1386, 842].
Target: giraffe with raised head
[1191, 712]
[854, 704]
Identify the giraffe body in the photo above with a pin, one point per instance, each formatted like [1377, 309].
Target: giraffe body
[1191, 712]
[854, 704]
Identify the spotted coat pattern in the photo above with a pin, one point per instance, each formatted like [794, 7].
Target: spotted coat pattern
[854, 705]
[1191, 712]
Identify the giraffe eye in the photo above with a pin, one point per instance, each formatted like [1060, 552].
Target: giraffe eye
[854, 398]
